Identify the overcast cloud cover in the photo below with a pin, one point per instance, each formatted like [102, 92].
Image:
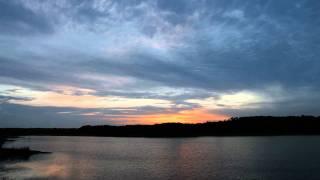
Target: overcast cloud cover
[66, 63]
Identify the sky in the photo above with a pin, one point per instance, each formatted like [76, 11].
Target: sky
[68, 63]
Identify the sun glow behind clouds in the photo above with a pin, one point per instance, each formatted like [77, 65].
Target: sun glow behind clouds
[190, 111]
[243, 99]
[186, 116]
[115, 109]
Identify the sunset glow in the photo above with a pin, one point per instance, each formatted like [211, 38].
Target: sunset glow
[187, 116]
[80, 98]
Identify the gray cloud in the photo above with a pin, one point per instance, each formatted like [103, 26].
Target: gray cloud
[221, 50]
[18, 20]
[6, 99]
[13, 115]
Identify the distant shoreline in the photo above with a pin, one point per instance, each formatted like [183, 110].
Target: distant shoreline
[243, 126]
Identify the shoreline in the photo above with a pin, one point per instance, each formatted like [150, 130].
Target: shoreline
[23, 153]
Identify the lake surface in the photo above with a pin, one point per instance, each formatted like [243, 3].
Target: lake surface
[285, 157]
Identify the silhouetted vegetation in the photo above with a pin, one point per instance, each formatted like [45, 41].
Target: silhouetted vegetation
[243, 126]
[15, 153]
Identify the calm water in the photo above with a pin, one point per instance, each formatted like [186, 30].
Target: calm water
[295, 157]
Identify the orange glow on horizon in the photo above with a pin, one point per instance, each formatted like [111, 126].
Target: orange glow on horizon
[86, 99]
[187, 116]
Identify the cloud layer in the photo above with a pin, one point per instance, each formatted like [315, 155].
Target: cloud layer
[119, 62]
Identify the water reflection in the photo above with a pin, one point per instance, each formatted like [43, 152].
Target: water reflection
[39, 167]
[181, 158]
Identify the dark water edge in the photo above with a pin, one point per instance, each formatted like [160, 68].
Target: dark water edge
[22, 153]
[13, 155]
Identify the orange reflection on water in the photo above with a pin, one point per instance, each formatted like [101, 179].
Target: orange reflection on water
[187, 116]
[40, 169]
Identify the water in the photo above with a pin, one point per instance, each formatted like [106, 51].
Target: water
[287, 157]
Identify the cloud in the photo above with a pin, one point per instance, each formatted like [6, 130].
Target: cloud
[235, 14]
[80, 98]
[13, 115]
[6, 99]
[238, 100]
[209, 48]
[168, 51]
[16, 19]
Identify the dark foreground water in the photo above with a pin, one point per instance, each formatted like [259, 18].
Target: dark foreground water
[287, 157]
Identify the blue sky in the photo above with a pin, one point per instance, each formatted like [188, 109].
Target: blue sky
[66, 63]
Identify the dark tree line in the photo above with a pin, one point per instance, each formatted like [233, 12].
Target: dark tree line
[243, 126]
